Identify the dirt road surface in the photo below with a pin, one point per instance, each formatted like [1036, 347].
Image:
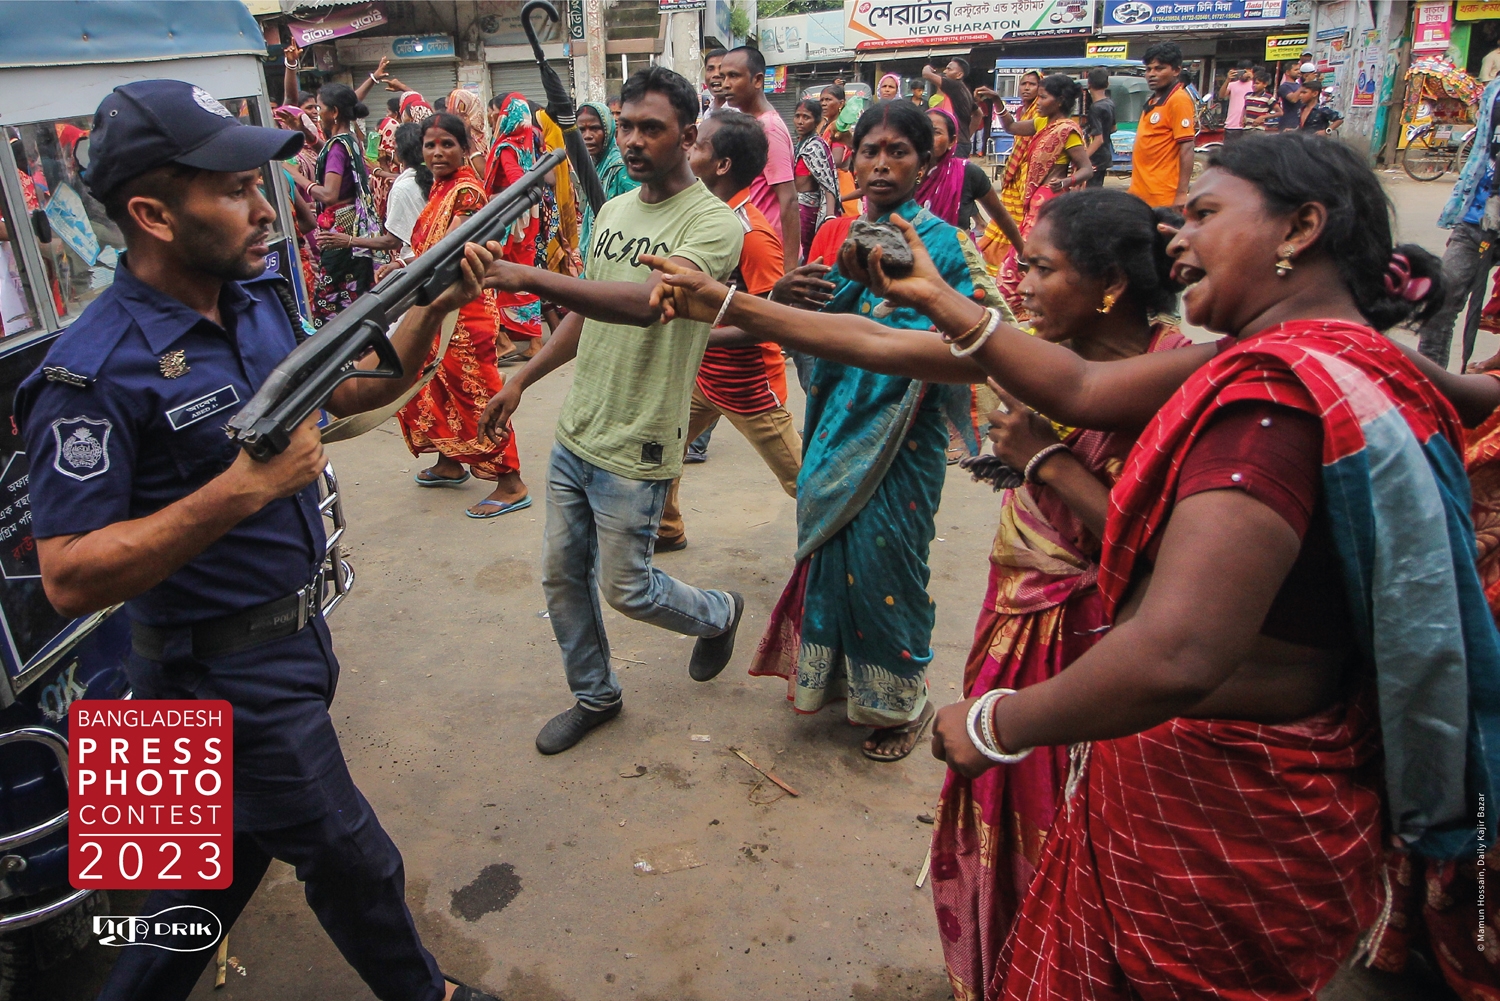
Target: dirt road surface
[522, 870]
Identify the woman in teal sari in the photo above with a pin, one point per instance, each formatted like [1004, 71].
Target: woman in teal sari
[597, 126]
[855, 622]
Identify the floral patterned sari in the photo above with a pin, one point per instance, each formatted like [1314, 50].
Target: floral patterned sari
[444, 416]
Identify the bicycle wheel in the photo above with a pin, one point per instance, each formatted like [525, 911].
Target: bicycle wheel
[1424, 162]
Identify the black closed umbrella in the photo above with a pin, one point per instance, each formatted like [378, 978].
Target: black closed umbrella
[561, 110]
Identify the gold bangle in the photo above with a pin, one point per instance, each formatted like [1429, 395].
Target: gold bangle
[971, 332]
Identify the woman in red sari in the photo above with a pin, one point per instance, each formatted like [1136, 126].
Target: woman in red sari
[517, 147]
[444, 416]
[1299, 652]
[1098, 280]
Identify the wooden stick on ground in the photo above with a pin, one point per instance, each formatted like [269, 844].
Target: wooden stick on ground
[926, 868]
[221, 962]
[746, 759]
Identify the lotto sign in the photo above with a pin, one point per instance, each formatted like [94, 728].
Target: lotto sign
[150, 795]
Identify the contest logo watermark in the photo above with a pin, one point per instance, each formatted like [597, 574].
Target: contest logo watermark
[150, 794]
[184, 928]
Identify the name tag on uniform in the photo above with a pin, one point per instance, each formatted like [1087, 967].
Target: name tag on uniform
[204, 406]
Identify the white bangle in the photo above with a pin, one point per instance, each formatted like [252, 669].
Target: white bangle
[989, 329]
[1035, 462]
[988, 744]
[724, 307]
[372, 78]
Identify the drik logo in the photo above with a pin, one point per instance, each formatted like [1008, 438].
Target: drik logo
[184, 928]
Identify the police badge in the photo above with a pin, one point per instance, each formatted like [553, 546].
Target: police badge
[174, 364]
[82, 447]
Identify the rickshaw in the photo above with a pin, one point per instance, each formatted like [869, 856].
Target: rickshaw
[1437, 119]
[58, 251]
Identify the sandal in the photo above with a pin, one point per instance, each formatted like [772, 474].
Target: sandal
[501, 507]
[441, 481]
[915, 728]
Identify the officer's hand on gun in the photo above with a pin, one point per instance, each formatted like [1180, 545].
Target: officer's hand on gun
[284, 474]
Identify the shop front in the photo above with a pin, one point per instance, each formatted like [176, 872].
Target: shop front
[903, 38]
[1214, 37]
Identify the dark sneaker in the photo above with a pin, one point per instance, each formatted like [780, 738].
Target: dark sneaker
[568, 728]
[670, 545]
[711, 653]
[464, 992]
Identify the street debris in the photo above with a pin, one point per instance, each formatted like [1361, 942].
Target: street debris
[746, 759]
[925, 818]
[926, 867]
[701, 738]
[667, 858]
[635, 773]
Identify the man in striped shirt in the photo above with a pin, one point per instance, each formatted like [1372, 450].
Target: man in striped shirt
[741, 379]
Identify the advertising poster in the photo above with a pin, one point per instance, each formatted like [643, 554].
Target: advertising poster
[881, 24]
[1368, 77]
[1282, 48]
[1432, 27]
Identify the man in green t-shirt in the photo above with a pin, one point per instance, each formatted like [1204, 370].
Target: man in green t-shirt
[620, 435]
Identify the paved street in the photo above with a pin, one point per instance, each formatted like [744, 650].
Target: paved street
[521, 869]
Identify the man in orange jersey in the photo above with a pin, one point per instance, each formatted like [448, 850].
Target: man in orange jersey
[739, 378]
[1162, 163]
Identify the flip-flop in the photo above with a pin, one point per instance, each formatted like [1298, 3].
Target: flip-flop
[442, 481]
[501, 507]
[916, 727]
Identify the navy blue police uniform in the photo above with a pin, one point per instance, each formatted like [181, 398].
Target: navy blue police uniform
[126, 416]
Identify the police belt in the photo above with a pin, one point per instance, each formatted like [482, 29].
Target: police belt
[232, 633]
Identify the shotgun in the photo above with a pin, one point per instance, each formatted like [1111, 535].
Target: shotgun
[304, 379]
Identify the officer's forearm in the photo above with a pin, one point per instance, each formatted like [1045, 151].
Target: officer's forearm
[412, 340]
[94, 570]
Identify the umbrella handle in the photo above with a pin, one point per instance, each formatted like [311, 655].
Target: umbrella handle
[526, 11]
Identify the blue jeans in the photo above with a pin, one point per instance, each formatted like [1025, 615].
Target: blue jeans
[601, 530]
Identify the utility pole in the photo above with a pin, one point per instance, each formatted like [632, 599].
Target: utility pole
[593, 32]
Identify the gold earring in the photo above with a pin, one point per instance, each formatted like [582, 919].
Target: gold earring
[1109, 302]
[1284, 260]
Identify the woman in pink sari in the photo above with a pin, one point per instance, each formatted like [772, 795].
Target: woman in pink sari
[1100, 282]
[943, 186]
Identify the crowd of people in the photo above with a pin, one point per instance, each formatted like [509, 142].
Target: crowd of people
[1233, 679]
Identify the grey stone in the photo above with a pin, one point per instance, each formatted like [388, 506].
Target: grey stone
[895, 256]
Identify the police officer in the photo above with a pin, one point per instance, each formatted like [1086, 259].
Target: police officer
[138, 497]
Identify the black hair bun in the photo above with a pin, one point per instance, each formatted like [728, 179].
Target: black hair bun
[360, 111]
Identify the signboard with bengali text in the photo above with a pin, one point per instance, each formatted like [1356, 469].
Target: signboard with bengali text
[1476, 10]
[341, 22]
[900, 24]
[1138, 16]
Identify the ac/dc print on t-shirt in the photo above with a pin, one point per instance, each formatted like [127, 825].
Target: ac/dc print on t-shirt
[613, 245]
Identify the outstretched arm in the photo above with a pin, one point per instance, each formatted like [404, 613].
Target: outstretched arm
[609, 302]
[1107, 396]
[1475, 397]
[412, 340]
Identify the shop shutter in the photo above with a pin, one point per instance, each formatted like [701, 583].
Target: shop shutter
[431, 80]
[786, 106]
[525, 78]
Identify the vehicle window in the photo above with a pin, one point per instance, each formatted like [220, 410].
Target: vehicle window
[84, 248]
[18, 310]
[84, 245]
